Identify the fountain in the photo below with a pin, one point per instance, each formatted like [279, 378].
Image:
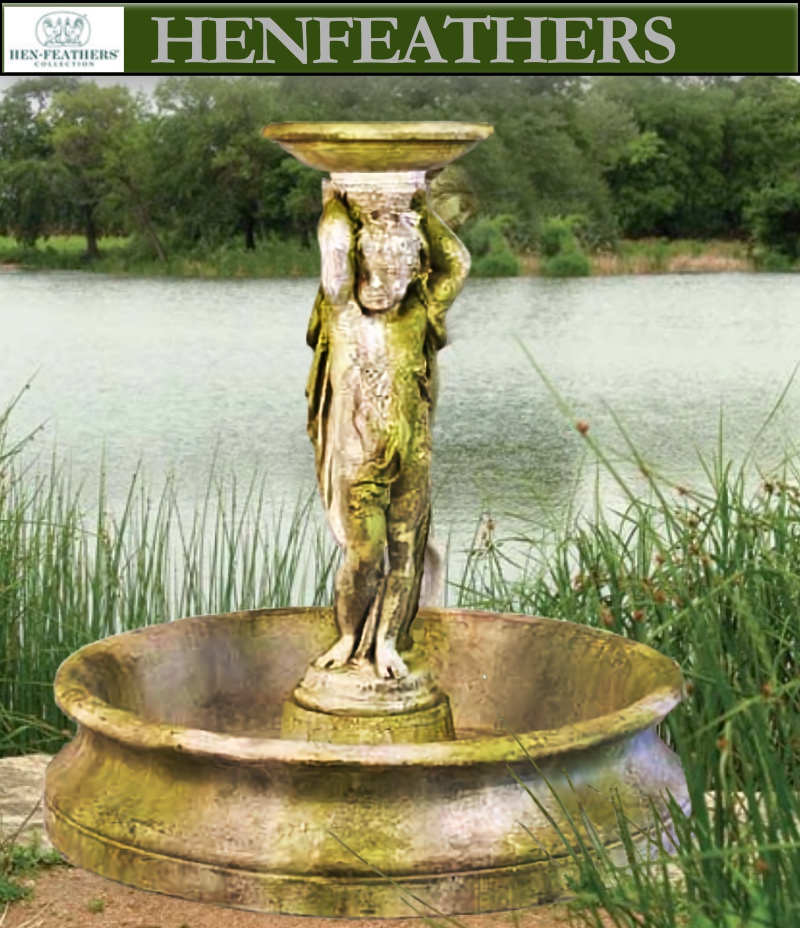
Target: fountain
[328, 762]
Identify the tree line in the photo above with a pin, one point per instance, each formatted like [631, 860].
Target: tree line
[614, 157]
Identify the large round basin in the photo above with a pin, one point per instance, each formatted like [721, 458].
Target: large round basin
[177, 780]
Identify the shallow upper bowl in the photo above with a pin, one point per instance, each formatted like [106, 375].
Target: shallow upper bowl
[377, 146]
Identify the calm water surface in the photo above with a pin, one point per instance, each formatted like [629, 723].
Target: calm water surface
[177, 374]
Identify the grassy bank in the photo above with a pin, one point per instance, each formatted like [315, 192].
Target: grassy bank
[275, 257]
[661, 256]
[288, 258]
[709, 576]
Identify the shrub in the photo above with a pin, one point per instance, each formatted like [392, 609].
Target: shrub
[570, 263]
[773, 217]
[560, 249]
[560, 233]
[770, 260]
[496, 264]
[488, 245]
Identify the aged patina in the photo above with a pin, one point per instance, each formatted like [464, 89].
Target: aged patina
[390, 271]
[322, 761]
[179, 780]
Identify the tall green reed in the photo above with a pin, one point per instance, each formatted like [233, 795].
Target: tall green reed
[709, 576]
[72, 573]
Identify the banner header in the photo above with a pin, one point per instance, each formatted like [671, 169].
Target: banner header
[472, 38]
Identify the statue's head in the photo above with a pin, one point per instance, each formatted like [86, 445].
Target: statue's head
[390, 250]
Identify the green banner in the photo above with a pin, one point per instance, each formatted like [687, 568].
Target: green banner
[412, 38]
[482, 38]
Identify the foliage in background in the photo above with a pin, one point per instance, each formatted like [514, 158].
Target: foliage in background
[635, 156]
[488, 246]
[31, 204]
[560, 248]
[773, 214]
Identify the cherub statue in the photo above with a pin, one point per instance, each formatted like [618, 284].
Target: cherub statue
[390, 270]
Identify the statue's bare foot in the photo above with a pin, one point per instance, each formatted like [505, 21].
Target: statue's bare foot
[388, 663]
[338, 655]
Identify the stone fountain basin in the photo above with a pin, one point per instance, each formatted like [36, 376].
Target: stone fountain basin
[377, 146]
[177, 780]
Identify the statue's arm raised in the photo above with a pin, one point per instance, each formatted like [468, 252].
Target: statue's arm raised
[337, 247]
[449, 267]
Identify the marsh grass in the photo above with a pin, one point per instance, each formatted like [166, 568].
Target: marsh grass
[68, 578]
[711, 577]
[708, 575]
[673, 256]
[665, 256]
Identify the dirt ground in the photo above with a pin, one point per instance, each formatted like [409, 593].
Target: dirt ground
[68, 898]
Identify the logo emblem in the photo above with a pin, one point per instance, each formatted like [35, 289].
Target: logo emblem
[63, 29]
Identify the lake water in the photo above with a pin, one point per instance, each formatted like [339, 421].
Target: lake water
[178, 374]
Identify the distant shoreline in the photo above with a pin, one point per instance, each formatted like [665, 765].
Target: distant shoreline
[289, 259]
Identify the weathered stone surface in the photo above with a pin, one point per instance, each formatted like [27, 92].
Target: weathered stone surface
[21, 788]
[22, 783]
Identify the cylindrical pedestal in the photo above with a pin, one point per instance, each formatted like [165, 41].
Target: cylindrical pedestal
[432, 724]
[351, 705]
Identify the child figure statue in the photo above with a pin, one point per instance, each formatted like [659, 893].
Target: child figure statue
[390, 270]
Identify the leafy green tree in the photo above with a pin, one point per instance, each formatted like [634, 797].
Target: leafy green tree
[28, 194]
[641, 156]
[217, 169]
[539, 160]
[671, 180]
[763, 140]
[705, 146]
[134, 183]
[90, 128]
[31, 203]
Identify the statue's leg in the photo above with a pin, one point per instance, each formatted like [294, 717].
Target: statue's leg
[362, 516]
[407, 527]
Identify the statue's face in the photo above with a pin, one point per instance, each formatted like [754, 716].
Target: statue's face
[389, 246]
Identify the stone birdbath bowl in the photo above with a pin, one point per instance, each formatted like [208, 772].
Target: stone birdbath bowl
[179, 781]
[195, 773]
